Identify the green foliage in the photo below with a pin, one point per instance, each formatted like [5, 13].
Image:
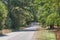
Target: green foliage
[22, 12]
[20, 17]
[48, 12]
[8, 23]
[52, 19]
[3, 14]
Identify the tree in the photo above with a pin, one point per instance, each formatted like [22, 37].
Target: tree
[3, 15]
[47, 11]
[52, 20]
[18, 12]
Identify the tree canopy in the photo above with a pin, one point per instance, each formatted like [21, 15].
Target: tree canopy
[18, 13]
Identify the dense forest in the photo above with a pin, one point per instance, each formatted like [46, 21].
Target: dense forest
[20, 13]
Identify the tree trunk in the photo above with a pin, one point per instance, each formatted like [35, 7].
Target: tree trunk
[51, 26]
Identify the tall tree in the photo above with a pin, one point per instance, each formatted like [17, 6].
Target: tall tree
[3, 15]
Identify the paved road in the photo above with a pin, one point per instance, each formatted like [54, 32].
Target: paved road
[26, 34]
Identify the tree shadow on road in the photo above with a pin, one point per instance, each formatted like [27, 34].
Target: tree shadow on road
[24, 30]
[2, 35]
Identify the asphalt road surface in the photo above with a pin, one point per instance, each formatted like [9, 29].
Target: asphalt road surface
[26, 34]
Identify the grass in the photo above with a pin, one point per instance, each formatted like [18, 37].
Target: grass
[45, 35]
